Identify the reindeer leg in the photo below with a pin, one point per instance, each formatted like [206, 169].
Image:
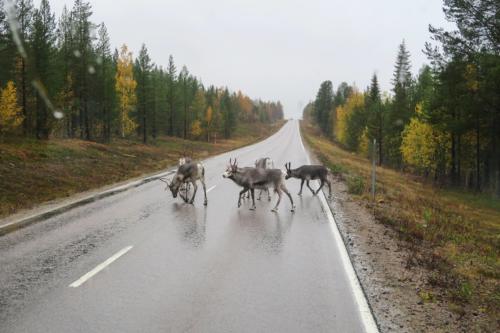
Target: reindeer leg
[184, 197]
[252, 192]
[320, 186]
[268, 194]
[329, 189]
[204, 191]
[301, 186]
[260, 194]
[312, 191]
[275, 209]
[284, 189]
[242, 192]
[195, 188]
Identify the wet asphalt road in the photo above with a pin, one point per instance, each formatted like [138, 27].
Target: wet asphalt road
[189, 268]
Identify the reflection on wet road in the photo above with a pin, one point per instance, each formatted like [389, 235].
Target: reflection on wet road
[191, 268]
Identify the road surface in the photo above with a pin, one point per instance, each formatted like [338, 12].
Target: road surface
[141, 261]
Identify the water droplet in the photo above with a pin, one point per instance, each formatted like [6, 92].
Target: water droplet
[58, 114]
[98, 60]
[91, 69]
[77, 53]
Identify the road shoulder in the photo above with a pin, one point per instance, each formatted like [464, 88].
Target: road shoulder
[391, 286]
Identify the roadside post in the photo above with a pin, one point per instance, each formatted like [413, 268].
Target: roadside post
[374, 168]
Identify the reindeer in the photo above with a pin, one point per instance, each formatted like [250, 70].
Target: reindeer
[183, 160]
[310, 172]
[257, 178]
[188, 172]
[263, 163]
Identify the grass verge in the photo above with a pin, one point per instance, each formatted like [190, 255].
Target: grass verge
[455, 235]
[33, 172]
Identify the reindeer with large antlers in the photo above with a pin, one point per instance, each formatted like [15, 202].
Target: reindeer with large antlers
[188, 172]
[310, 172]
[257, 178]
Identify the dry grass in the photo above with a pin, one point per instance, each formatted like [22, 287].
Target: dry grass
[456, 235]
[33, 172]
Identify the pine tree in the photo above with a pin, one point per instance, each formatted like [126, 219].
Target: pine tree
[24, 17]
[106, 81]
[323, 106]
[375, 129]
[184, 94]
[82, 43]
[143, 69]
[401, 107]
[65, 59]
[43, 49]
[7, 49]
[171, 94]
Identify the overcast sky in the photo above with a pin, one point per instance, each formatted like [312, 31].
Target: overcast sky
[273, 49]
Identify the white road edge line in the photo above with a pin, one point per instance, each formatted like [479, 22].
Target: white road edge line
[210, 189]
[365, 312]
[100, 267]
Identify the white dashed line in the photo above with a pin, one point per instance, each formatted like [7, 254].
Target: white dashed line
[99, 267]
[210, 189]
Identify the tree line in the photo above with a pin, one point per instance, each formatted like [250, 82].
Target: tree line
[61, 77]
[444, 122]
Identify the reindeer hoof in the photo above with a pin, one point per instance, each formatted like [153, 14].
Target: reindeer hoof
[293, 209]
[205, 203]
[299, 194]
[274, 210]
[252, 208]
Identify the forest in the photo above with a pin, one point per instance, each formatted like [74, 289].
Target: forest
[443, 123]
[62, 78]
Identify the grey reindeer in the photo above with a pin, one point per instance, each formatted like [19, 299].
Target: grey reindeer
[188, 172]
[257, 178]
[264, 163]
[310, 172]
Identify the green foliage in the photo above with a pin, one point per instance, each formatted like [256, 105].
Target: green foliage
[355, 185]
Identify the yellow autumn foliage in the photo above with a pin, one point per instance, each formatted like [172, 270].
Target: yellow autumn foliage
[10, 112]
[125, 89]
[364, 143]
[196, 128]
[422, 145]
[355, 100]
[208, 116]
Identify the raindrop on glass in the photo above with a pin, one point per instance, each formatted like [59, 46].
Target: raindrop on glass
[58, 114]
[77, 53]
[98, 60]
[91, 69]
